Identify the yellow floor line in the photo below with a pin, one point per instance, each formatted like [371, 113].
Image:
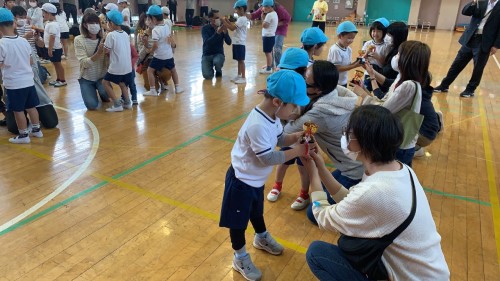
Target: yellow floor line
[490, 168]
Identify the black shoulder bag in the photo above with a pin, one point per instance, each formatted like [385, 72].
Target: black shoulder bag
[365, 254]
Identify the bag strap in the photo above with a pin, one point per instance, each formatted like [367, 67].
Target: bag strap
[395, 233]
[414, 103]
[97, 47]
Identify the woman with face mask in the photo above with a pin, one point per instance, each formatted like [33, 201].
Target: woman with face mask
[89, 50]
[330, 107]
[35, 14]
[376, 206]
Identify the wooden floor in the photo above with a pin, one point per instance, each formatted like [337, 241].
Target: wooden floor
[136, 195]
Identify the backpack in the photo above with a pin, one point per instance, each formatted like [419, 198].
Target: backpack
[74, 30]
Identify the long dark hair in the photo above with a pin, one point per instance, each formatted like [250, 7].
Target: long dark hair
[414, 59]
[399, 33]
[326, 78]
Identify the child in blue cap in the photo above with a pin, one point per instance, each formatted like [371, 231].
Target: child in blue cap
[15, 63]
[117, 44]
[313, 40]
[239, 38]
[376, 50]
[269, 26]
[340, 53]
[252, 159]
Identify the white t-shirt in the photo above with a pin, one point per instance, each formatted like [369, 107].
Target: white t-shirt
[52, 28]
[240, 34]
[272, 19]
[126, 14]
[36, 16]
[340, 56]
[380, 48]
[258, 136]
[15, 54]
[120, 58]
[161, 33]
[61, 19]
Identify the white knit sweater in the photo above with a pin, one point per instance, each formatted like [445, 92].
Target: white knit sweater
[378, 205]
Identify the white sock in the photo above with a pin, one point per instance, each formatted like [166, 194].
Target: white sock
[262, 235]
[240, 253]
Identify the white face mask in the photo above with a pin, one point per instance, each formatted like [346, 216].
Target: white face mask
[388, 39]
[22, 3]
[94, 28]
[344, 145]
[21, 22]
[217, 22]
[33, 4]
[394, 63]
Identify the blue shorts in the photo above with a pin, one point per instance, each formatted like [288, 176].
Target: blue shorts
[56, 55]
[291, 161]
[117, 79]
[159, 64]
[64, 35]
[20, 99]
[239, 52]
[240, 202]
[268, 44]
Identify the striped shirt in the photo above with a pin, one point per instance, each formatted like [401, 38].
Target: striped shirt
[89, 70]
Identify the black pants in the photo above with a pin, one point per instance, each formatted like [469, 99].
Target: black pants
[173, 13]
[320, 24]
[465, 54]
[189, 17]
[70, 9]
[203, 11]
[142, 8]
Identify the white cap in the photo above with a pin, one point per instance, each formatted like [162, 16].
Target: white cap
[122, 1]
[165, 10]
[49, 8]
[53, 1]
[111, 7]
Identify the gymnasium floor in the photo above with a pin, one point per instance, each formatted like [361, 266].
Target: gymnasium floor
[136, 195]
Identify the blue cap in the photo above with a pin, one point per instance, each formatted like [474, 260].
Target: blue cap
[267, 3]
[346, 26]
[240, 3]
[313, 36]
[154, 10]
[6, 15]
[115, 17]
[383, 21]
[288, 86]
[294, 58]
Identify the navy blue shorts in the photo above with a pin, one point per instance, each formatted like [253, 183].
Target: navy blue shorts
[117, 79]
[64, 35]
[56, 55]
[268, 44]
[240, 202]
[239, 52]
[291, 161]
[20, 99]
[159, 64]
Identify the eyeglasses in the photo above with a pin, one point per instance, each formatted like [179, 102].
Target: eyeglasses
[347, 135]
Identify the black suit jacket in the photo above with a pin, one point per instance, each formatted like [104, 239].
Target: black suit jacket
[491, 30]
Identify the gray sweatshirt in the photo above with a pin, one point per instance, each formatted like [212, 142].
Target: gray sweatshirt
[331, 113]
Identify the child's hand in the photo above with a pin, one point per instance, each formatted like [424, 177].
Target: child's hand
[50, 52]
[171, 41]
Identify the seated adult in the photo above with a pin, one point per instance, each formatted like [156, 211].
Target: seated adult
[214, 35]
[376, 206]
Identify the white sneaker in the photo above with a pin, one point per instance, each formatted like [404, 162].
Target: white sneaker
[240, 80]
[42, 61]
[441, 121]
[163, 87]
[63, 57]
[268, 244]
[179, 89]
[265, 71]
[419, 153]
[153, 93]
[20, 140]
[114, 108]
[246, 267]
[37, 134]
[60, 84]
[52, 83]
[273, 195]
[127, 105]
[235, 78]
[300, 203]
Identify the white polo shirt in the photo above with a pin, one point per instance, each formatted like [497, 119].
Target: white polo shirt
[63, 24]
[340, 56]
[258, 136]
[52, 28]
[15, 54]
[272, 19]
[160, 34]
[380, 48]
[120, 58]
[126, 13]
[240, 34]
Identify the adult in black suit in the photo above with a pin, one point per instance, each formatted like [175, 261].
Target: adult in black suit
[480, 40]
